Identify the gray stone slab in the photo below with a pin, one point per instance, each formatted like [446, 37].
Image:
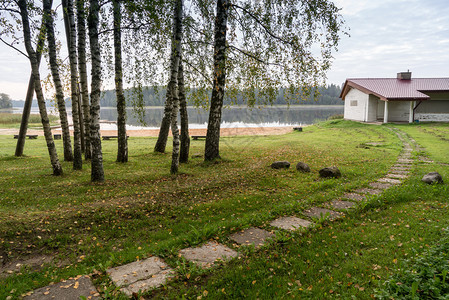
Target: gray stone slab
[152, 271]
[341, 204]
[71, 289]
[405, 161]
[425, 159]
[353, 196]
[290, 223]
[379, 185]
[389, 180]
[318, 212]
[208, 254]
[368, 191]
[401, 168]
[403, 172]
[252, 236]
[144, 285]
[399, 176]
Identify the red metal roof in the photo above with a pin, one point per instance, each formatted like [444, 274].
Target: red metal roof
[392, 89]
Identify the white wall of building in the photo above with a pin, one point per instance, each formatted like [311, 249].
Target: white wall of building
[356, 103]
[371, 115]
[369, 108]
[398, 111]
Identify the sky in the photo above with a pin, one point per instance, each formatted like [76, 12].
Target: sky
[386, 37]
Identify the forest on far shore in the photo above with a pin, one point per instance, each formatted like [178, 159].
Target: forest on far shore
[155, 96]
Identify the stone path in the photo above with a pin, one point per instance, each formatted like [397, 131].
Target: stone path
[208, 254]
[153, 272]
[71, 289]
[140, 275]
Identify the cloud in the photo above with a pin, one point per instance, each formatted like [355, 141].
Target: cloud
[390, 36]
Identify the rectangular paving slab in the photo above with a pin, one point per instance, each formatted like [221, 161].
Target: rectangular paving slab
[354, 196]
[152, 271]
[400, 176]
[341, 204]
[208, 254]
[389, 180]
[252, 236]
[401, 168]
[405, 161]
[368, 191]
[403, 172]
[318, 212]
[71, 289]
[380, 185]
[290, 223]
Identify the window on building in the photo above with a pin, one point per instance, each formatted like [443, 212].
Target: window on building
[353, 102]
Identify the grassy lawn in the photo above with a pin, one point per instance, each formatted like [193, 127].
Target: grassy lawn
[141, 210]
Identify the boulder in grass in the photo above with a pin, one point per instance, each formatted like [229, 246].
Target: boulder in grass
[280, 165]
[302, 167]
[432, 177]
[330, 172]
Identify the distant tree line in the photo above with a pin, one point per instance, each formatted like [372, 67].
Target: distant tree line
[155, 96]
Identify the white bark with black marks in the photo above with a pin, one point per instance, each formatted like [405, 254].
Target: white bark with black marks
[172, 87]
[84, 90]
[211, 151]
[29, 98]
[69, 19]
[161, 142]
[48, 19]
[97, 172]
[122, 151]
[185, 138]
[56, 165]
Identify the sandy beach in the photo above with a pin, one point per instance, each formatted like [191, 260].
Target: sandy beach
[154, 132]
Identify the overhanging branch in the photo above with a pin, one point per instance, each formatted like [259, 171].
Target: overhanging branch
[263, 26]
[9, 45]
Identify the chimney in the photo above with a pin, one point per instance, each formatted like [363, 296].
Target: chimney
[405, 75]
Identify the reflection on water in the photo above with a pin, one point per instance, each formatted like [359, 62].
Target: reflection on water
[293, 115]
[233, 116]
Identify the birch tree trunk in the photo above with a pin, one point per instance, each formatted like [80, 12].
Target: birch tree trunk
[172, 86]
[165, 124]
[212, 150]
[81, 25]
[48, 18]
[122, 152]
[56, 165]
[97, 172]
[69, 20]
[29, 99]
[185, 138]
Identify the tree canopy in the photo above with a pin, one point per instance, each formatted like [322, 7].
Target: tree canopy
[5, 101]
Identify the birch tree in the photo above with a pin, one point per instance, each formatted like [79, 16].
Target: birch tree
[48, 19]
[97, 172]
[57, 168]
[84, 90]
[216, 102]
[122, 152]
[172, 87]
[69, 20]
[185, 138]
[263, 46]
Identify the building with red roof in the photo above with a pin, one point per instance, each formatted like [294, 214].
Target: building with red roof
[401, 99]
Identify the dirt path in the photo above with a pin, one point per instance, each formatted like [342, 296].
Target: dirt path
[154, 132]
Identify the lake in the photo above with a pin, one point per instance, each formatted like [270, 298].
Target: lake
[235, 116]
